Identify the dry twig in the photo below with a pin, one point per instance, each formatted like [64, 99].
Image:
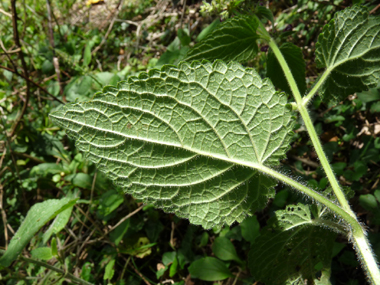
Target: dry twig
[55, 58]
[24, 67]
[4, 217]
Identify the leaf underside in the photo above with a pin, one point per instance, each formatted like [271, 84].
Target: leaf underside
[349, 47]
[292, 246]
[189, 140]
[234, 39]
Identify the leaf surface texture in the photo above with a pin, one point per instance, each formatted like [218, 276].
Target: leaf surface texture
[349, 47]
[293, 246]
[234, 39]
[189, 140]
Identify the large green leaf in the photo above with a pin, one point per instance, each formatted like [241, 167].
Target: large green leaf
[294, 58]
[349, 47]
[38, 215]
[234, 39]
[294, 245]
[189, 140]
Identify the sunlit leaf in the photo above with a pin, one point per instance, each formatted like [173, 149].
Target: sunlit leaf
[234, 39]
[37, 216]
[349, 49]
[189, 140]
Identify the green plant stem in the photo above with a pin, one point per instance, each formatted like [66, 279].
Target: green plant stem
[361, 243]
[53, 268]
[362, 246]
[313, 91]
[310, 128]
[332, 225]
[311, 193]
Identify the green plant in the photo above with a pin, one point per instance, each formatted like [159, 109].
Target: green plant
[204, 141]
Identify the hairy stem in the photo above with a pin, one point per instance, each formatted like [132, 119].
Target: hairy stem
[310, 128]
[311, 193]
[361, 244]
[366, 256]
[313, 91]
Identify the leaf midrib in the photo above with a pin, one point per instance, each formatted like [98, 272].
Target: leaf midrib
[257, 166]
[336, 64]
[218, 47]
[258, 157]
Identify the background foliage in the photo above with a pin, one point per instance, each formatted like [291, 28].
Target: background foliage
[106, 237]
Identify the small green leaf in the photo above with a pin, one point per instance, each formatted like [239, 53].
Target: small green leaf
[265, 13]
[377, 194]
[292, 245]
[209, 269]
[161, 272]
[85, 86]
[47, 67]
[225, 250]
[54, 248]
[325, 277]
[184, 37]
[58, 224]
[44, 169]
[206, 30]
[173, 268]
[360, 170]
[234, 39]
[87, 55]
[339, 167]
[38, 215]
[109, 202]
[86, 271]
[168, 257]
[250, 228]
[82, 180]
[281, 198]
[109, 271]
[140, 247]
[43, 253]
[9, 75]
[349, 49]
[368, 202]
[172, 57]
[203, 241]
[106, 78]
[371, 95]
[294, 58]
[375, 107]
[334, 118]
[117, 234]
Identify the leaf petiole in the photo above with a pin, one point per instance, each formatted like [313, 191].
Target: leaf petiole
[361, 243]
[314, 90]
